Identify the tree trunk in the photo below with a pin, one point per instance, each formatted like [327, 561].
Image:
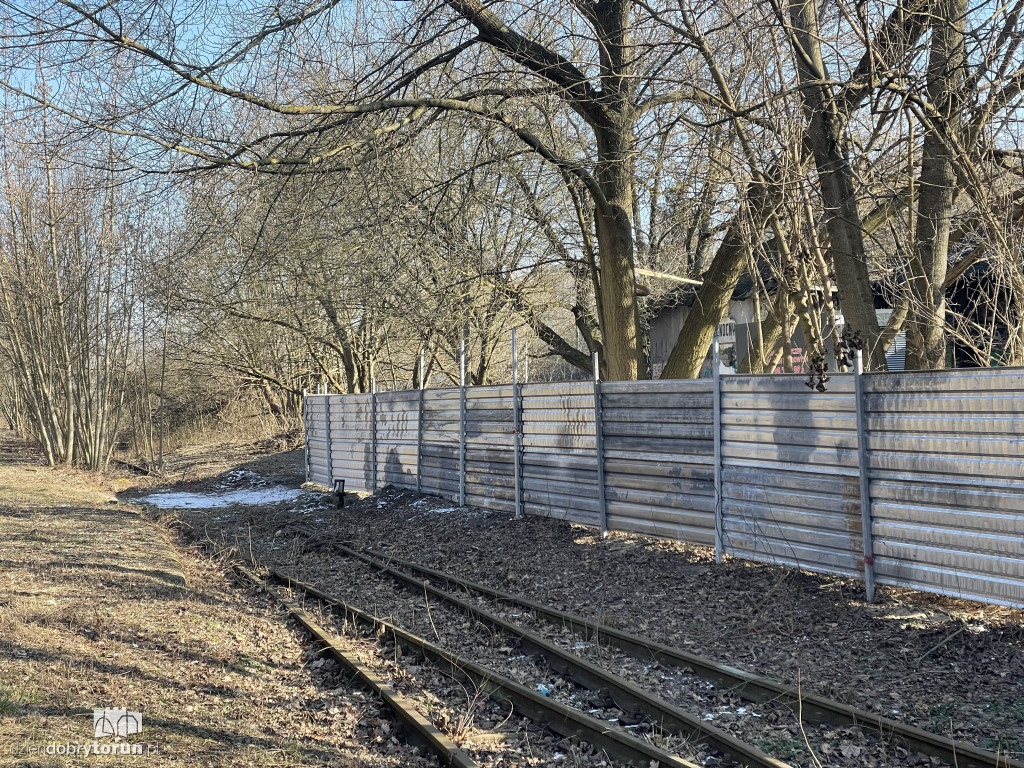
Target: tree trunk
[613, 217]
[619, 323]
[825, 135]
[926, 326]
[712, 302]
[762, 359]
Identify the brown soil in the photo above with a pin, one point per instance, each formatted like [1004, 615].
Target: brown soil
[93, 615]
[951, 666]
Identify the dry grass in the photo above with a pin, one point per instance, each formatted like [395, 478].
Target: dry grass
[93, 614]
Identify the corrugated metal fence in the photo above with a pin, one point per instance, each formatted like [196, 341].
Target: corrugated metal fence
[789, 473]
[760, 466]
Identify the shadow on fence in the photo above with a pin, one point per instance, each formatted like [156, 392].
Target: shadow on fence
[777, 468]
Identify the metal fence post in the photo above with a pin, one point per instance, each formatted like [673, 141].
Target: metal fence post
[865, 479]
[305, 432]
[419, 432]
[602, 498]
[462, 425]
[327, 421]
[373, 432]
[517, 438]
[717, 420]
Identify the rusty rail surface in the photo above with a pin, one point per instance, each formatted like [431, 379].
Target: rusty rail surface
[557, 717]
[420, 729]
[755, 688]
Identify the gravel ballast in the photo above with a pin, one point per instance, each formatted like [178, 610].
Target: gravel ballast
[950, 666]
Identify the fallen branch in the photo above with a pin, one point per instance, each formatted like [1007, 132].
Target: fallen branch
[939, 645]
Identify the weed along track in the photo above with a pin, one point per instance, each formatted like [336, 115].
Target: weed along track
[671, 693]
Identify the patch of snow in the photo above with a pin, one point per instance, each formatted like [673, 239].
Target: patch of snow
[182, 500]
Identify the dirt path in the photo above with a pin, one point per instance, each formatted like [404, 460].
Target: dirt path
[94, 614]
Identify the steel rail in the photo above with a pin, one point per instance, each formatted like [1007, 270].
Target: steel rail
[557, 717]
[419, 728]
[626, 695]
[755, 688]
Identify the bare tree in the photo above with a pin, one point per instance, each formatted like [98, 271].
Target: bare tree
[67, 299]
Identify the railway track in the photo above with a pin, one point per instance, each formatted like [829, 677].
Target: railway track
[571, 722]
[625, 695]
[420, 729]
[583, 651]
[628, 706]
[563, 720]
[584, 633]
